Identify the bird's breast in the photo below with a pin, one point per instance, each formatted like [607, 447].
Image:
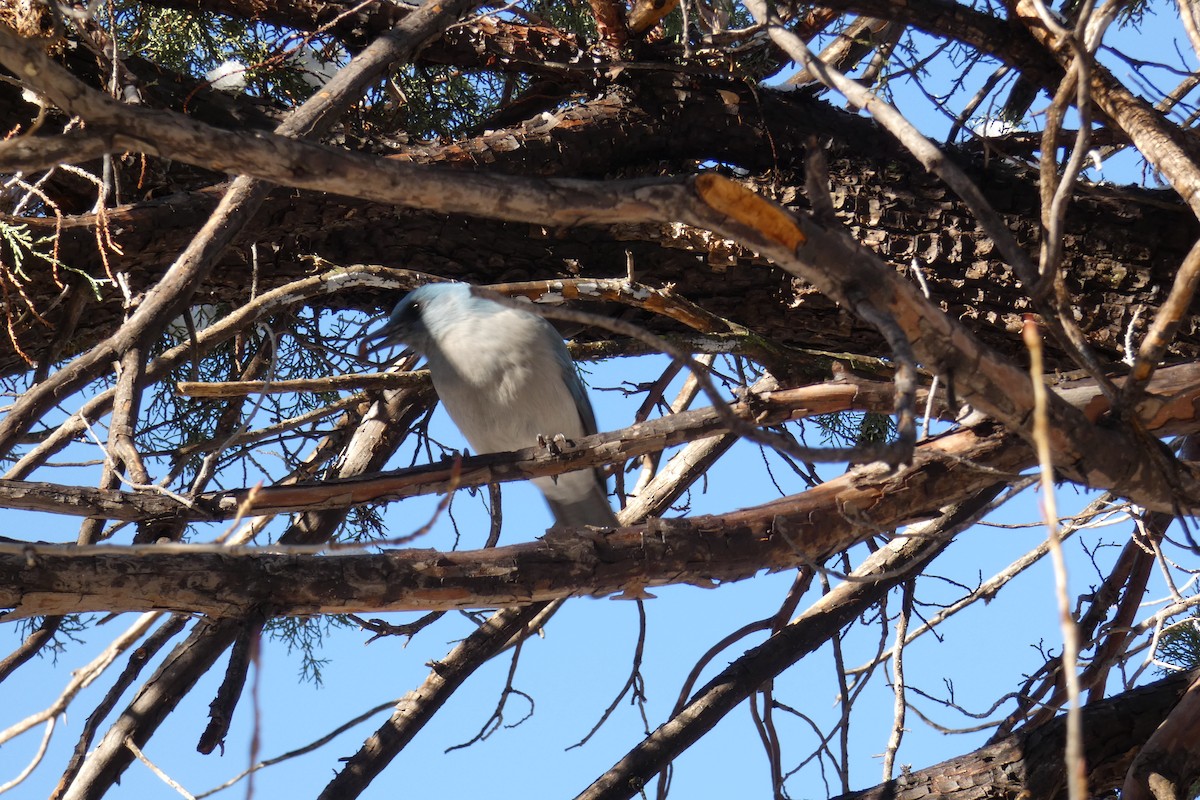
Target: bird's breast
[502, 398]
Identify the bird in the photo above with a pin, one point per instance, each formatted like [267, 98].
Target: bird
[507, 381]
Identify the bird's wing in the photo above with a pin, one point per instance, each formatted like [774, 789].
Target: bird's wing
[579, 394]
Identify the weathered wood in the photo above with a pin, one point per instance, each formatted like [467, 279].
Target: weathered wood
[786, 533]
[1121, 244]
[1029, 764]
[653, 436]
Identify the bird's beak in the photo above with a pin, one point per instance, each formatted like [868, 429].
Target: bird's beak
[387, 335]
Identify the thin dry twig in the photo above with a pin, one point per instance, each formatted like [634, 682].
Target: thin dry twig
[299, 751]
[898, 685]
[1075, 766]
[331, 383]
[635, 683]
[496, 720]
[164, 777]
[35, 760]
[84, 676]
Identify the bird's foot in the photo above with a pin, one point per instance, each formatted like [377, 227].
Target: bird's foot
[553, 445]
[450, 454]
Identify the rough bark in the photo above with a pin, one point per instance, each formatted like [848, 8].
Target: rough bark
[787, 533]
[1167, 766]
[1122, 246]
[1029, 763]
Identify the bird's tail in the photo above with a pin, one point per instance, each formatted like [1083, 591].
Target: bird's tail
[592, 509]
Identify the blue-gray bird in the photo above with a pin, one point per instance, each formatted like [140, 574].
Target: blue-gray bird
[506, 380]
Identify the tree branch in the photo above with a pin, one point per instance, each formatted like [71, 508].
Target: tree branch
[1029, 763]
[790, 532]
[766, 408]
[170, 295]
[882, 570]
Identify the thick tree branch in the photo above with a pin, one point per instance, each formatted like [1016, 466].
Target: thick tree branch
[767, 408]
[1168, 765]
[672, 117]
[1029, 763]
[789, 532]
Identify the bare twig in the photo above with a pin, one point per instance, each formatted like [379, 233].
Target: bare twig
[33, 762]
[83, 677]
[898, 685]
[137, 661]
[299, 751]
[1075, 766]
[635, 683]
[164, 777]
[332, 383]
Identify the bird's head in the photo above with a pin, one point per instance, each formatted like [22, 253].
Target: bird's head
[408, 322]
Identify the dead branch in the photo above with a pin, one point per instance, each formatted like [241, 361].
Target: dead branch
[1030, 763]
[649, 437]
[811, 629]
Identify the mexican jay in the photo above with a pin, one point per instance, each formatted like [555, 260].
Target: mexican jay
[506, 378]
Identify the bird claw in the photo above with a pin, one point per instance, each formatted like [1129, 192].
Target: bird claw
[553, 446]
[452, 454]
